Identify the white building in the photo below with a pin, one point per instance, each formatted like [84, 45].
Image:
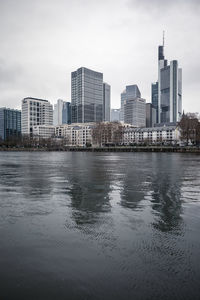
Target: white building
[35, 112]
[154, 135]
[79, 134]
[62, 113]
[44, 131]
[57, 112]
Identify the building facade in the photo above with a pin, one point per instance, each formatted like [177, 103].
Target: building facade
[87, 96]
[169, 89]
[10, 123]
[44, 131]
[35, 112]
[135, 112]
[131, 92]
[151, 118]
[115, 115]
[154, 97]
[123, 98]
[154, 135]
[66, 113]
[106, 102]
[79, 134]
[62, 112]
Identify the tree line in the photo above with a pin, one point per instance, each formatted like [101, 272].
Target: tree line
[107, 134]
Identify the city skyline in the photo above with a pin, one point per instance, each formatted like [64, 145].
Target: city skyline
[37, 59]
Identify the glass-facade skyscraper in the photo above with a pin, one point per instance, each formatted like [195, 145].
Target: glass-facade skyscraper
[62, 113]
[154, 98]
[135, 112]
[106, 102]
[87, 96]
[66, 113]
[131, 92]
[10, 123]
[169, 89]
[115, 115]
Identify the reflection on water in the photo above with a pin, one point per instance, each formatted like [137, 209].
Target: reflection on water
[166, 193]
[89, 188]
[99, 226]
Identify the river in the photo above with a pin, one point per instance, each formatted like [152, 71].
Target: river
[99, 225]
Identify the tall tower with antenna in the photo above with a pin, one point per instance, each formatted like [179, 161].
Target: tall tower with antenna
[169, 89]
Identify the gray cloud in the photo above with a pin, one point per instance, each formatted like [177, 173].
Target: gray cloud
[163, 4]
[42, 41]
[8, 73]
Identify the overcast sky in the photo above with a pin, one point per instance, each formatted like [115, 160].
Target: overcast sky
[43, 41]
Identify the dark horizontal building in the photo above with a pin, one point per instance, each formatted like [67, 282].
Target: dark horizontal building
[10, 123]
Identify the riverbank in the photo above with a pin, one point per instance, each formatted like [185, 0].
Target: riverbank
[112, 149]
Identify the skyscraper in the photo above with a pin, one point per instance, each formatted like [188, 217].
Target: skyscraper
[35, 112]
[62, 113]
[169, 89]
[10, 123]
[131, 92]
[150, 115]
[115, 115]
[123, 98]
[87, 96]
[66, 113]
[135, 112]
[154, 98]
[106, 102]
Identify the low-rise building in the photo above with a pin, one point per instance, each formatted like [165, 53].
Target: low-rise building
[154, 135]
[83, 134]
[79, 134]
[44, 131]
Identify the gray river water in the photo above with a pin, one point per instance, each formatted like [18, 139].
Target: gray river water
[99, 225]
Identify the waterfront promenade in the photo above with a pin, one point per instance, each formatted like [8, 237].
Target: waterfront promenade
[110, 149]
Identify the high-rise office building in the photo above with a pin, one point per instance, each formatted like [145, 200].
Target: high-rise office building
[62, 113]
[154, 98]
[135, 112]
[115, 115]
[169, 89]
[35, 112]
[10, 123]
[87, 96]
[57, 112]
[131, 92]
[66, 113]
[106, 102]
[150, 115]
[123, 98]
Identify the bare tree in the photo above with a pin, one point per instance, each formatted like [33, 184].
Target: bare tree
[190, 128]
[107, 133]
